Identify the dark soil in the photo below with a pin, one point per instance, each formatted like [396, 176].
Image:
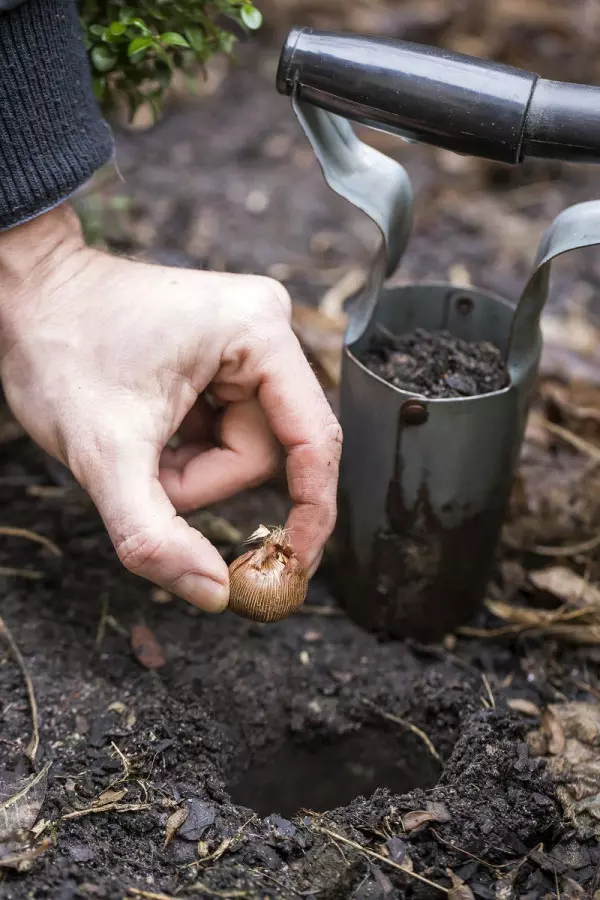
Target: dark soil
[436, 364]
[245, 724]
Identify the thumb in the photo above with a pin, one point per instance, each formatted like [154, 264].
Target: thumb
[149, 537]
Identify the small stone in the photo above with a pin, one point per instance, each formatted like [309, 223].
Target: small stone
[201, 815]
[80, 852]
[283, 827]
[463, 384]
[397, 849]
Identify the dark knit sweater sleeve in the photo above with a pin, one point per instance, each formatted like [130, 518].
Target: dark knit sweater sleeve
[52, 136]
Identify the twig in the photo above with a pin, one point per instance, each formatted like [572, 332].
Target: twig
[123, 759]
[223, 846]
[488, 688]
[574, 440]
[33, 745]
[286, 887]
[586, 687]
[392, 718]
[381, 858]
[101, 630]
[108, 807]
[571, 550]
[466, 852]
[116, 626]
[149, 895]
[32, 574]
[9, 531]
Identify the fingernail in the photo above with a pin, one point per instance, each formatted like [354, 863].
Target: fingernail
[209, 595]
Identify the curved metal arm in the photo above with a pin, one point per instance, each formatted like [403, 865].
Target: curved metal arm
[371, 181]
[573, 229]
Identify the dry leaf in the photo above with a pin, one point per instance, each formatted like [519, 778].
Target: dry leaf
[22, 859]
[146, 648]
[519, 704]
[416, 819]
[576, 767]
[109, 796]
[537, 743]
[566, 585]
[459, 890]
[321, 338]
[21, 801]
[571, 890]
[553, 728]
[439, 810]
[332, 304]
[40, 826]
[174, 822]
[578, 626]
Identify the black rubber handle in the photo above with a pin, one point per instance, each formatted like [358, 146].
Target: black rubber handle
[460, 103]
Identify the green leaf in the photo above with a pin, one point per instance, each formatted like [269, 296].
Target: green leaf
[139, 23]
[251, 17]
[117, 29]
[138, 46]
[173, 39]
[103, 58]
[195, 38]
[98, 87]
[97, 30]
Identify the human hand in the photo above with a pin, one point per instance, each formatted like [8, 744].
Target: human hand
[103, 360]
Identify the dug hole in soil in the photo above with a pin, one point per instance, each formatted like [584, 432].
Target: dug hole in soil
[301, 759]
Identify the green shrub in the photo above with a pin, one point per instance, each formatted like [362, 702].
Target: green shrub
[135, 47]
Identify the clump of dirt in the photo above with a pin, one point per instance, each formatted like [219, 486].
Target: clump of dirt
[436, 364]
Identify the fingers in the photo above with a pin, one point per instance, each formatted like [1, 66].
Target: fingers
[304, 423]
[150, 539]
[248, 454]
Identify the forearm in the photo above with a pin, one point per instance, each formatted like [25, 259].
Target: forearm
[52, 136]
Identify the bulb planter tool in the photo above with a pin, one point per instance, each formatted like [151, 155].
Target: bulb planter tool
[425, 483]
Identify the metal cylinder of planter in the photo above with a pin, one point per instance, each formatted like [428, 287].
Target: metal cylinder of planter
[424, 483]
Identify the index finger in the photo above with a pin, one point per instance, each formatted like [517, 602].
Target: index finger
[306, 426]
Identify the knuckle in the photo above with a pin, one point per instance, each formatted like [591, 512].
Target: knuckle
[275, 295]
[139, 550]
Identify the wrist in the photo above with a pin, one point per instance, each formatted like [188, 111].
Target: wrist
[35, 256]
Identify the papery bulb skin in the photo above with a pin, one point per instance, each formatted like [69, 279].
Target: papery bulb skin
[267, 584]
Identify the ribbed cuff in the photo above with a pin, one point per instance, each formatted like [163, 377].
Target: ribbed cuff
[52, 136]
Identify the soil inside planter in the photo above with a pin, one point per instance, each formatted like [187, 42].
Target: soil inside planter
[436, 364]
